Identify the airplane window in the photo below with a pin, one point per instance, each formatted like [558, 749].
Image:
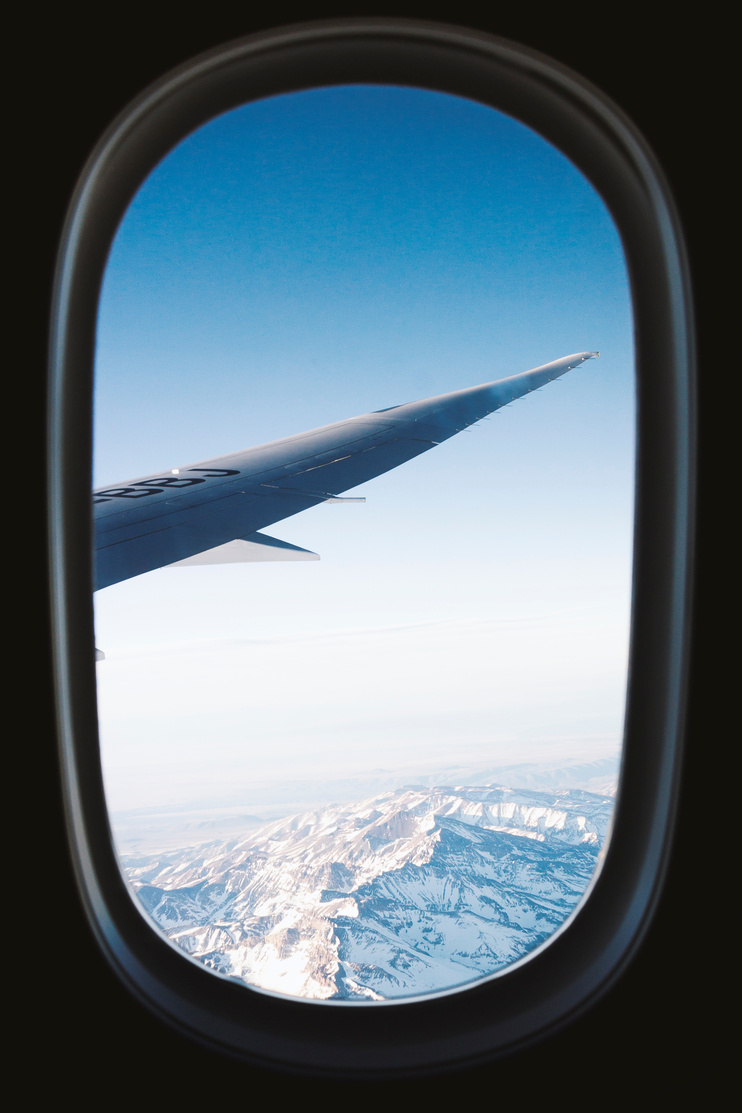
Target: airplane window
[382, 334]
[370, 666]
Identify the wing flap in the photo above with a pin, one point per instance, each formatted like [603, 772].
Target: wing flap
[245, 550]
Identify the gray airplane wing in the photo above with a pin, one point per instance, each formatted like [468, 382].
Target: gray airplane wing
[213, 512]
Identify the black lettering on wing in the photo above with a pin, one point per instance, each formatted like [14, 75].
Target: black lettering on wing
[157, 486]
[214, 473]
[128, 493]
[171, 481]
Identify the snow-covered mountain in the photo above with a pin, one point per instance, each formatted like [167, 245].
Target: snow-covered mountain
[409, 892]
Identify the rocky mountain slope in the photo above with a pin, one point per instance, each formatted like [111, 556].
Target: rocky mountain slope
[410, 892]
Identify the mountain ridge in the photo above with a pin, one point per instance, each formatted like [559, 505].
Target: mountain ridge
[412, 891]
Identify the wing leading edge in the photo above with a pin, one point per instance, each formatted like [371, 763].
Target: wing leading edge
[212, 512]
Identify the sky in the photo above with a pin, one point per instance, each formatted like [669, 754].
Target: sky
[318, 255]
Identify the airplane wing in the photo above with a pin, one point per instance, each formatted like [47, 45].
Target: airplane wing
[213, 512]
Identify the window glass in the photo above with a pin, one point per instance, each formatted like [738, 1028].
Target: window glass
[390, 771]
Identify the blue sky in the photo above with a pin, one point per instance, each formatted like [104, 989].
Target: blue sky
[318, 255]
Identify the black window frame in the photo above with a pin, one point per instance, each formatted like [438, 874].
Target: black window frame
[500, 1015]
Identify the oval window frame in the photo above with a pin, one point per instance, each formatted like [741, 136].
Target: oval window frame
[492, 1017]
